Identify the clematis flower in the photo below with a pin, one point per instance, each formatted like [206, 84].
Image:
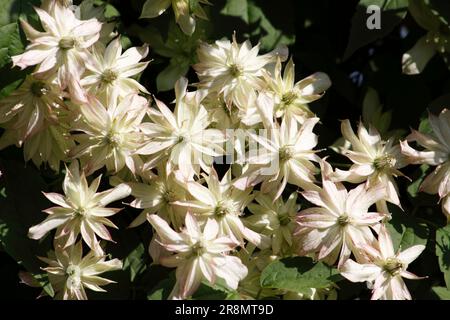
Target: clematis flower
[28, 109]
[110, 135]
[70, 274]
[62, 49]
[80, 210]
[340, 220]
[274, 219]
[436, 153]
[385, 268]
[185, 11]
[223, 203]
[233, 70]
[286, 157]
[110, 71]
[198, 255]
[181, 138]
[157, 196]
[292, 98]
[375, 161]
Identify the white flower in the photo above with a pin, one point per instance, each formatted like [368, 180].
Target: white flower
[61, 50]
[70, 273]
[80, 210]
[292, 98]
[223, 203]
[31, 107]
[233, 70]
[198, 255]
[110, 71]
[111, 136]
[274, 219]
[340, 220]
[385, 268]
[157, 196]
[375, 160]
[182, 138]
[284, 157]
[436, 153]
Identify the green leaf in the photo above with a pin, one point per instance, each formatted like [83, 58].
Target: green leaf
[163, 288]
[11, 10]
[166, 79]
[298, 274]
[391, 14]
[405, 230]
[17, 216]
[135, 262]
[443, 252]
[262, 29]
[10, 43]
[442, 293]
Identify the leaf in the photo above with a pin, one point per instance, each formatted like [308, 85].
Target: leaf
[391, 14]
[135, 262]
[420, 174]
[442, 293]
[298, 274]
[405, 230]
[443, 252]
[17, 216]
[10, 43]
[163, 288]
[262, 28]
[166, 79]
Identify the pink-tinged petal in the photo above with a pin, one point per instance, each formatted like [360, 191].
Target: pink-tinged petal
[30, 58]
[190, 279]
[166, 233]
[381, 286]
[201, 193]
[211, 229]
[332, 241]
[192, 227]
[435, 182]
[119, 192]
[207, 270]
[113, 52]
[47, 21]
[356, 272]
[56, 198]
[87, 28]
[385, 243]
[409, 255]
[231, 269]
[100, 230]
[29, 31]
[399, 289]
[419, 157]
[51, 222]
[411, 276]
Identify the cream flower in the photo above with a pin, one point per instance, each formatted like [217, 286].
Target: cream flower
[436, 153]
[28, 109]
[111, 136]
[292, 98]
[80, 210]
[223, 203]
[284, 156]
[375, 160]
[198, 255]
[384, 268]
[340, 220]
[182, 138]
[274, 219]
[185, 11]
[233, 70]
[110, 71]
[61, 49]
[157, 196]
[70, 273]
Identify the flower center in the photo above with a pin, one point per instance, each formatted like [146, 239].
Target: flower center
[73, 273]
[198, 249]
[67, 43]
[169, 196]
[235, 70]
[285, 153]
[80, 212]
[38, 88]
[112, 139]
[223, 208]
[288, 98]
[343, 220]
[386, 161]
[393, 266]
[284, 219]
[109, 76]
